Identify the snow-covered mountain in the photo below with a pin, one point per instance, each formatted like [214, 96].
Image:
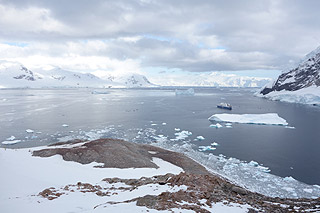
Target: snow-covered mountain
[15, 75]
[212, 79]
[300, 84]
[133, 80]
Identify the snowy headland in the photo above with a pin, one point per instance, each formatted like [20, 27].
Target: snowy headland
[110, 175]
[299, 84]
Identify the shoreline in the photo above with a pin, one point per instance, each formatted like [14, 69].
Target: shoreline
[194, 184]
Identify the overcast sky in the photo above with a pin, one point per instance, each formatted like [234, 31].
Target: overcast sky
[157, 36]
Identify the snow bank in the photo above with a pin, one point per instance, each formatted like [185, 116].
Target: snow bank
[262, 119]
[309, 95]
[24, 174]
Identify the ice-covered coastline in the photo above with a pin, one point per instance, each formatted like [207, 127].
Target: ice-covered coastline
[308, 95]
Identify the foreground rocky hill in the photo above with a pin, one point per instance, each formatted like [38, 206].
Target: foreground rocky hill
[201, 191]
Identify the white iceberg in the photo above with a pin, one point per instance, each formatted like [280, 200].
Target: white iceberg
[65, 125]
[181, 135]
[262, 119]
[11, 138]
[188, 92]
[206, 148]
[217, 125]
[10, 142]
[29, 131]
[200, 138]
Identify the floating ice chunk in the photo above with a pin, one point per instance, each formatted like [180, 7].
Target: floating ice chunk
[164, 123]
[29, 131]
[253, 163]
[11, 138]
[263, 119]
[228, 124]
[214, 144]
[290, 127]
[65, 125]
[181, 135]
[11, 142]
[200, 138]
[206, 148]
[160, 138]
[154, 124]
[289, 179]
[217, 125]
[308, 190]
[289, 189]
[188, 92]
[176, 129]
[38, 132]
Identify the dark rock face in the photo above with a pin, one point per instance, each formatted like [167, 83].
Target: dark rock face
[120, 154]
[305, 75]
[27, 75]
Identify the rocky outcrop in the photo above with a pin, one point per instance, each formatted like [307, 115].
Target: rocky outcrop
[198, 189]
[114, 153]
[306, 74]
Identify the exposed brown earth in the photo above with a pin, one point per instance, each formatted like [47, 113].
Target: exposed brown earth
[121, 154]
[201, 185]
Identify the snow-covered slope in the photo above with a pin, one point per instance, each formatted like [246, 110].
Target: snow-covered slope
[15, 75]
[212, 79]
[300, 84]
[133, 80]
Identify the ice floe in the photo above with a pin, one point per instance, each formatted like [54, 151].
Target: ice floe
[10, 142]
[65, 125]
[200, 138]
[206, 148]
[29, 131]
[181, 135]
[262, 119]
[217, 125]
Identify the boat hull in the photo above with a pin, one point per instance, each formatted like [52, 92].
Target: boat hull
[224, 107]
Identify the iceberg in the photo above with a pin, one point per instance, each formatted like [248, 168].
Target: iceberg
[200, 138]
[206, 148]
[188, 92]
[261, 119]
[10, 142]
[216, 126]
[181, 135]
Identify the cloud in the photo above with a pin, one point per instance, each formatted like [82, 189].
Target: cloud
[190, 35]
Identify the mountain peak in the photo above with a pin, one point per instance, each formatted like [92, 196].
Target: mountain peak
[305, 74]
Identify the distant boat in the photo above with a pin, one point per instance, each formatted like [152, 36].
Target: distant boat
[224, 106]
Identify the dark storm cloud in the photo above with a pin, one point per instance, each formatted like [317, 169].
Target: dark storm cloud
[191, 35]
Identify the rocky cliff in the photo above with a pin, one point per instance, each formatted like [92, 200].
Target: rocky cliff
[304, 75]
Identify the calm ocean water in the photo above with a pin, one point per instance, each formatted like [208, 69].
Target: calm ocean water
[141, 115]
